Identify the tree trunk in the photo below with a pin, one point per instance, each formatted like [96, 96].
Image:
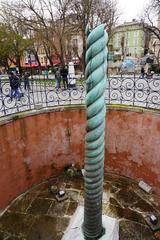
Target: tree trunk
[62, 53]
[37, 59]
[84, 52]
[50, 60]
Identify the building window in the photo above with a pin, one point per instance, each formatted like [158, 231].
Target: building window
[117, 41]
[135, 52]
[45, 60]
[136, 34]
[120, 37]
[41, 51]
[75, 43]
[75, 46]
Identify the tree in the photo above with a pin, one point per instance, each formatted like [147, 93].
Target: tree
[156, 5]
[34, 48]
[5, 46]
[94, 12]
[15, 37]
[12, 46]
[149, 18]
[53, 22]
[46, 19]
[123, 46]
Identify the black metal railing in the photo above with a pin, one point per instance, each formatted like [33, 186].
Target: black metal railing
[134, 91]
[42, 93]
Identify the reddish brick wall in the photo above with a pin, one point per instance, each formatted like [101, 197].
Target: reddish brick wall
[133, 146]
[36, 147]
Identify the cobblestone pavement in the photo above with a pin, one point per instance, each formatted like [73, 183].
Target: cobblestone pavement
[37, 215]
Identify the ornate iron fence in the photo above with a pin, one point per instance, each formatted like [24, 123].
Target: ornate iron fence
[134, 91]
[128, 90]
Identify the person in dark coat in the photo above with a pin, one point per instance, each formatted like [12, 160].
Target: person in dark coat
[26, 81]
[14, 84]
[58, 79]
[142, 72]
[64, 74]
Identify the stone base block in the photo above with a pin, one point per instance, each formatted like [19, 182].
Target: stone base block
[74, 230]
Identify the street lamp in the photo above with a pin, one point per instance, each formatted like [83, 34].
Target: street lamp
[15, 46]
[30, 63]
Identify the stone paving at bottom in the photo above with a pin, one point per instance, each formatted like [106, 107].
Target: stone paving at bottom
[37, 215]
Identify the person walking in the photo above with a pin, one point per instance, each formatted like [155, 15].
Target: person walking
[64, 74]
[58, 79]
[20, 89]
[142, 72]
[14, 84]
[26, 81]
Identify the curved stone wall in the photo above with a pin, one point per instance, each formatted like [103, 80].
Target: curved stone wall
[133, 145]
[37, 145]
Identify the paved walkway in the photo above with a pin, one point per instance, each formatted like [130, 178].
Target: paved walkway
[36, 215]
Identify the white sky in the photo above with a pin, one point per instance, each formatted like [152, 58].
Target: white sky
[131, 9]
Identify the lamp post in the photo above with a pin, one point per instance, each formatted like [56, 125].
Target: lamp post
[15, 47]
[96, 66]
[30, 63]
[17, 56]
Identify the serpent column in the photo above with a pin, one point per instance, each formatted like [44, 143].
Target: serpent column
[96, 66]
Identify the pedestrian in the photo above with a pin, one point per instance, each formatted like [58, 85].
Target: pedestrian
[58, 79]
[26, 81]
[19, 76]
[64, 74]
[14, 84]
[46, 73]
[142, 72]
[149, 73]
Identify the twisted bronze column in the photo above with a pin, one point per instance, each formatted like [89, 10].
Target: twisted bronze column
[96, 60]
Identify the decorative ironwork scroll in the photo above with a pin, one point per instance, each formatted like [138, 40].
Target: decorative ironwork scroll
[127, 90]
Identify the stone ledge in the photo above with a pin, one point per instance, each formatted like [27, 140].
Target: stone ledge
[34, 112]
[61, 108]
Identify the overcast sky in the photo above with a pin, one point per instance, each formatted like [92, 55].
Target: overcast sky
[131, 9]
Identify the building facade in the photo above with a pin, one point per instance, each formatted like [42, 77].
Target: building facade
[154, 44]
[128, 40]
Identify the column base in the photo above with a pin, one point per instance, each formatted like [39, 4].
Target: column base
[74, 230]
